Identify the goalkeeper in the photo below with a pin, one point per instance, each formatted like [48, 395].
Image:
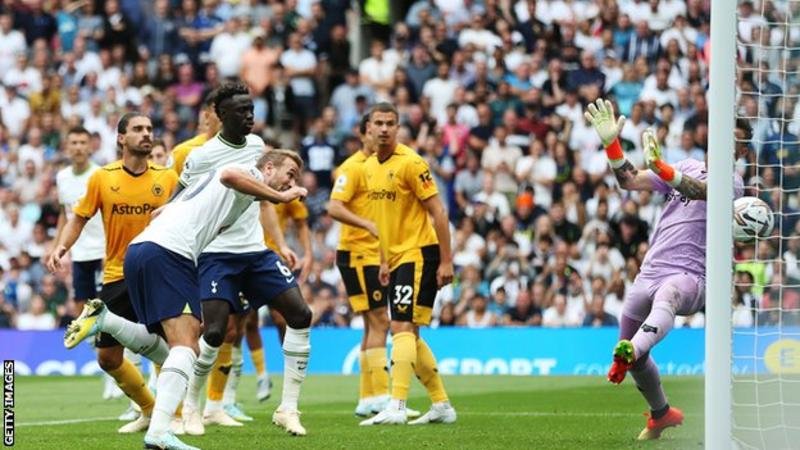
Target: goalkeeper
[671, 280]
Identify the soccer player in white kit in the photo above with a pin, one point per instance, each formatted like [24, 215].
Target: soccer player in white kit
[161, 264]
[90, 248]
[238, 261]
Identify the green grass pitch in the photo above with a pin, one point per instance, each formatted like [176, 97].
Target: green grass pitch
[494, 412]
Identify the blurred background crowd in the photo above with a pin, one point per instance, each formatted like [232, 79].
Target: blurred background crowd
[490, 92]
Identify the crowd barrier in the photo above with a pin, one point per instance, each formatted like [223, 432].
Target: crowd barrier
[494, 351]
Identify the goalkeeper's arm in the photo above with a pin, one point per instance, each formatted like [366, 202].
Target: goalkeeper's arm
[691, 188]
[601, 115]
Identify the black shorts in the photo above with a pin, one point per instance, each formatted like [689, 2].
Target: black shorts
[412, 286]
[360, 277]
[85, 277]
[115, 296]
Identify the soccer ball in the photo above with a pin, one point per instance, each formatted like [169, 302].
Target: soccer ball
[751, 218]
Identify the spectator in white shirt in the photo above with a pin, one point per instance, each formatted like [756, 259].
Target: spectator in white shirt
[301, 66]
[228, 47]
[12, 42]
[557, 315]
[377, 72]
[497, 202]
[37, 318]
[441, 91]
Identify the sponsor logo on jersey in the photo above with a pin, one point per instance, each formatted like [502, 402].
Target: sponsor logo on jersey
[126, 209]
[383, 194]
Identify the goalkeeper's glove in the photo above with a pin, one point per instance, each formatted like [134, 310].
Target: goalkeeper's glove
[601, 115]
[652, 157]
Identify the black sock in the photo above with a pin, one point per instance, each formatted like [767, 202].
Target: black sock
[659, 413]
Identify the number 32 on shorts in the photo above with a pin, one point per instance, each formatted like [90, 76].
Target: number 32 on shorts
[402, 296]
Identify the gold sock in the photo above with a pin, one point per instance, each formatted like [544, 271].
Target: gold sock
[378, 372]
[428, 373]
[258, 361]
[404, 357]
[219, 373]
[364, 381]
[131, 381]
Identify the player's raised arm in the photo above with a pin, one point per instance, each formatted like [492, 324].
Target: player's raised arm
[692, 188]
[246, 183]
[601, 115]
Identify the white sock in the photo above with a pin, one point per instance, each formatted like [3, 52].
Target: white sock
[172, 382]
[296, 348]
[135, 337]
[229, 396]
[396, 403]
[211, 406]
[153, 378]
[202, 366]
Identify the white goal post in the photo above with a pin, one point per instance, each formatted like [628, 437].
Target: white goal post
[752, 377]
[719, 230]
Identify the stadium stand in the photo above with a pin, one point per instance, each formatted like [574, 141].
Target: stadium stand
[491, 93]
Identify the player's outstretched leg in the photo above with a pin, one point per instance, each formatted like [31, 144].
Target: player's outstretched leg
[96, 318]
[296, 351]
[441, 411]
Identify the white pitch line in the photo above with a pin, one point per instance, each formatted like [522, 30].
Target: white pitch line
[347, 413]
[64, 422]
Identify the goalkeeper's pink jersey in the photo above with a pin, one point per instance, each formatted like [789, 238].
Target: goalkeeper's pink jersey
[678, 244]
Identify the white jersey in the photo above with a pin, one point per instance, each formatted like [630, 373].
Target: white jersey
[91, 244]
[246, 235]
[199, 214]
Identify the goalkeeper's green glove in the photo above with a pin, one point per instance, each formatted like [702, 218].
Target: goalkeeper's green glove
[652, 157]
[601, 115]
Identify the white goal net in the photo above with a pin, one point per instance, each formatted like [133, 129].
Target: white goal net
[766, 299]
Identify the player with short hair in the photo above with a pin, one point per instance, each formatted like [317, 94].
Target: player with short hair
[237, 261]
[358, 260]
[671, 280]
[418, 261]
[125, 192]
[161, 265]
[88, 251]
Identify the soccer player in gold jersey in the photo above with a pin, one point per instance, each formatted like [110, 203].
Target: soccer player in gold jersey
[358, 260]
[416, 261]
[125, 192]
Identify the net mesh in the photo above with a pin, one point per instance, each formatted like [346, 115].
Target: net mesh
[766, 303]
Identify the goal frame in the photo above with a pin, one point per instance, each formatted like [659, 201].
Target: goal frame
[719, 230]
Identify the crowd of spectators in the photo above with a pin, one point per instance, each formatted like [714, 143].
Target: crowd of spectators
[490, 92]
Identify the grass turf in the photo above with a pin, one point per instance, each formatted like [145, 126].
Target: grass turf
[494, 412]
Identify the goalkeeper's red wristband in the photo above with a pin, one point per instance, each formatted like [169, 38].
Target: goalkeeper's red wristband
[614, 153]
[668, 173]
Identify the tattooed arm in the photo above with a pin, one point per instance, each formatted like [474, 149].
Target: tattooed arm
[692, 188]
